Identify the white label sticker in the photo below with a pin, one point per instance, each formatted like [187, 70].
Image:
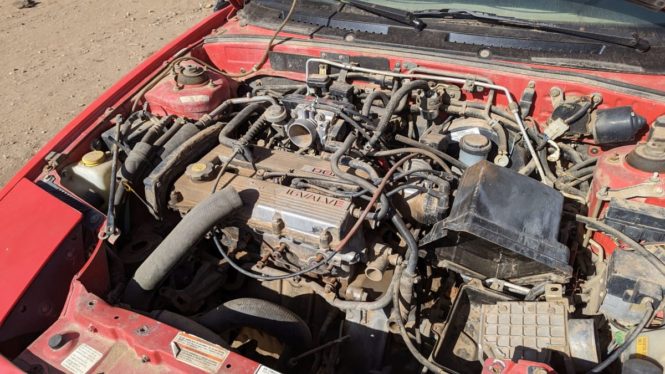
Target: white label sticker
[198, 352]
[266, 370]
[82, 359]
[457, 135]
[194, 99]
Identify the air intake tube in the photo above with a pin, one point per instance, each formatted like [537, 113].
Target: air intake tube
[178, 243]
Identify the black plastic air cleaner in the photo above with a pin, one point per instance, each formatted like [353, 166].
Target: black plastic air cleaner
[504, 225]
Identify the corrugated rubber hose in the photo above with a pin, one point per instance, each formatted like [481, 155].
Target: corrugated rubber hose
[178, 243]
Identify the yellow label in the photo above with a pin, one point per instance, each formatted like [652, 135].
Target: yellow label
[642, 345]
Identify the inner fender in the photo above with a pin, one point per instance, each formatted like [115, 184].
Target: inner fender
[262, 315]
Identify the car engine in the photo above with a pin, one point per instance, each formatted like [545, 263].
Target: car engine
[356, 219]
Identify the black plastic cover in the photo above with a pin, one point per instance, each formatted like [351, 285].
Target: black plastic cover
[640, 221]
[507, 227]
[616, 125]
[568, 110]
[630, 278]
[341, 90]
[318, 81]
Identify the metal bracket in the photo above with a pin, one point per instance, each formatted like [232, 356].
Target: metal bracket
[53, 159]
[238, 4]
[553, 292]
[345, 59]
[342, 75]
[526, 101]
[648, 189]
[404, 65]
[469, 85]
[558, 96]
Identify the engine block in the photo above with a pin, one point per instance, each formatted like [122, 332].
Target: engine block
[304, 219]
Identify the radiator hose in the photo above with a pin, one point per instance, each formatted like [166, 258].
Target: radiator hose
[178, 243]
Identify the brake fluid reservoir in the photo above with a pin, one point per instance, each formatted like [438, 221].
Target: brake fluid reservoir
[474, 148]
[90, 178]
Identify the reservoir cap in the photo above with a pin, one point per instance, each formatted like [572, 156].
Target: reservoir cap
[93, 158]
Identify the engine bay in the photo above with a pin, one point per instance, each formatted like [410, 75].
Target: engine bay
[346, 218]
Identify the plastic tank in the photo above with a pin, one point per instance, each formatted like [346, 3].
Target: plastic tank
[474, 148]
[648, 345]
[90, 178]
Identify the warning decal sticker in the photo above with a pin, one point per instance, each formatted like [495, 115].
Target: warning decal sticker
[266, 370]
[642, 345]
[82, 359]
[197, 352]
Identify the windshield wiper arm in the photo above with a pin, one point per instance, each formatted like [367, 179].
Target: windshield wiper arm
[394, 14]
[634, 42]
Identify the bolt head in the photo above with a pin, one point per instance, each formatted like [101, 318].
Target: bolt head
[484, 53]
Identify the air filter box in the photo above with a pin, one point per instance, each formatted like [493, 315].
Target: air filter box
[504, 225]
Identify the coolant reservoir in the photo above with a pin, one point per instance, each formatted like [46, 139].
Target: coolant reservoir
[90, 178]
[647, 345]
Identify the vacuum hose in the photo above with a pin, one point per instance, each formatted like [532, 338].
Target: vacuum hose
[392, 107]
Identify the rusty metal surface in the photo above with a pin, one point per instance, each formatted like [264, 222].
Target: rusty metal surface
[270, 207]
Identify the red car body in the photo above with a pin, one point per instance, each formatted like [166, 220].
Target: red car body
[51, 280]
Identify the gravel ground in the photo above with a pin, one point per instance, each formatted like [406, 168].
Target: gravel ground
[59, 55]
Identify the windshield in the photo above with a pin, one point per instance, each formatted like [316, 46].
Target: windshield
[600, 13]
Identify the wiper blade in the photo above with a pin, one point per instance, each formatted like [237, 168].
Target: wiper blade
[634, 42]
[397, 15]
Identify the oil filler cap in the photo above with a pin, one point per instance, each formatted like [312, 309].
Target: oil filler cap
[199, 171]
